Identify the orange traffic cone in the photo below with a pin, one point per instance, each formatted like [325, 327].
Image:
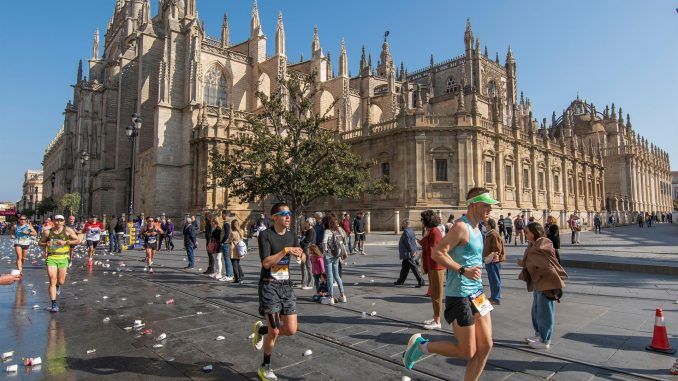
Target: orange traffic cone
[660, 340]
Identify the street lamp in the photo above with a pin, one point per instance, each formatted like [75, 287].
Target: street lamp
[132, 132]
[84, 157]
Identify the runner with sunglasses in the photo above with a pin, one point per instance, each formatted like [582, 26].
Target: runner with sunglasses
[21, 234]
[277, 301]
[466, 307]
[57, 241]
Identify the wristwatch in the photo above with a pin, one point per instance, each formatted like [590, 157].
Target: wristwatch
[462, 270]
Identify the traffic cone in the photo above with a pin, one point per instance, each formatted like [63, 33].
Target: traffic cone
[660, 340]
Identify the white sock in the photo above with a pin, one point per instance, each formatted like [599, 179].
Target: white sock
[424, 347]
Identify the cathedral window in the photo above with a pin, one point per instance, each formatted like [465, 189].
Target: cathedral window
[386, 172]
[451, 85]
[508, 174]
[581, 187]
[556, 183]
[570, 185]
[526, 178]
[541, 181]
[489, 179]
[492, 89]
[441, 169]
[214, 90]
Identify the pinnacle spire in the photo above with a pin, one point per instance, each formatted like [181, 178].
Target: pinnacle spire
[509, 55]
[280, 36]
[95, 45]
[363, 60]
[316, 50]
[225, 32]
[343, 60]
[79, 71]
[255, 24]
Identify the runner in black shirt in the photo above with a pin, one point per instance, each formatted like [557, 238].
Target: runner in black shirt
[277, 301]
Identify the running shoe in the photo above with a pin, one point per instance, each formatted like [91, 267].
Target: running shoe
[413, 354]
[432, 325]
[534, 338]
[265, 373]
[58, 290]
[332, 301]
[257, 339]
[539, 345]
[55, 308]
[429, 321]
[307, 288]
[343, 299]
[150, 270]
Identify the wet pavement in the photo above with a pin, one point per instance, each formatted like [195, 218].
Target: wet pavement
[602, 326]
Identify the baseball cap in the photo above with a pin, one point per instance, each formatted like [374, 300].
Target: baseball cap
[59, 217]
[484, 197]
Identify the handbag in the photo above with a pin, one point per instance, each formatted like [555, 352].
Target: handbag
[241, 248]
[212, 246]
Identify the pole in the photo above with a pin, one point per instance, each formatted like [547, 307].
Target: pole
[130, 210]
[82, 190]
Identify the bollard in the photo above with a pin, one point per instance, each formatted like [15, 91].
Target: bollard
[397, 222]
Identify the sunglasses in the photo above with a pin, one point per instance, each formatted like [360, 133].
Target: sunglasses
[283, 213]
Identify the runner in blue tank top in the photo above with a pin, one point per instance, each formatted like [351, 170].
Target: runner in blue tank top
[466, 307]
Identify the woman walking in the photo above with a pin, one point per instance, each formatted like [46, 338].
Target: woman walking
[238, 251]
[334, 247]
[553, 233]
[494, 255]
[544, 277]
[307, 239]
[434, 271]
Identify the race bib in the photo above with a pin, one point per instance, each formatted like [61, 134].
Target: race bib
[280, 272]
[481, 303]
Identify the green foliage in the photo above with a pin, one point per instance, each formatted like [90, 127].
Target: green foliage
[46, 206]
[675, 205]
[29, 213]
[70, 202]
[284, 153]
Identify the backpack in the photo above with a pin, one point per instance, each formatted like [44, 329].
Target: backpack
[335, 245]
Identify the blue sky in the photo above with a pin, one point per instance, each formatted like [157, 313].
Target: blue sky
[607, 50]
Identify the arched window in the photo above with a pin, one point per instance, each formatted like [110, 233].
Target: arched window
[214, 89]
[451, 85]
[491, 89]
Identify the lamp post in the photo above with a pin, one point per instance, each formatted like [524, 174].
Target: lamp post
[84, 157]
[132, 132]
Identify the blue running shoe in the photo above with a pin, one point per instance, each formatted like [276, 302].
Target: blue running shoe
[55, 308]
[413, 353]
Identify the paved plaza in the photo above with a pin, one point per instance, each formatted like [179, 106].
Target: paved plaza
[602, 326]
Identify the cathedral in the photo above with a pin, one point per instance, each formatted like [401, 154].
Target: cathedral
[434, 132]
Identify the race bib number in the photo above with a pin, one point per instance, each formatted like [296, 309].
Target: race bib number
[280, 272]
[481, 303]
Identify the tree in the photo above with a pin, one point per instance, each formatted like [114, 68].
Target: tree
[675, 205]
[46, 206]
[70, 202]
[284, 153]
[29, 213]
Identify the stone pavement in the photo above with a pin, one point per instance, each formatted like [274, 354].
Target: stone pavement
[602, 326]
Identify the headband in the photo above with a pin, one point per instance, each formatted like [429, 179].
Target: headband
[484, 197]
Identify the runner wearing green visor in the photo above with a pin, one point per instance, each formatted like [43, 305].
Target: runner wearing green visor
[466, 307]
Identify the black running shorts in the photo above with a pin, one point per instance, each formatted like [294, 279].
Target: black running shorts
[276, 297]
[460, 309]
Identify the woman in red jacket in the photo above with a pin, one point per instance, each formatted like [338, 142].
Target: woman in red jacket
[435, 272]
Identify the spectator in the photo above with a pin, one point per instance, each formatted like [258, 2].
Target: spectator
[435, 271]
[494, 255]
[407, 249]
